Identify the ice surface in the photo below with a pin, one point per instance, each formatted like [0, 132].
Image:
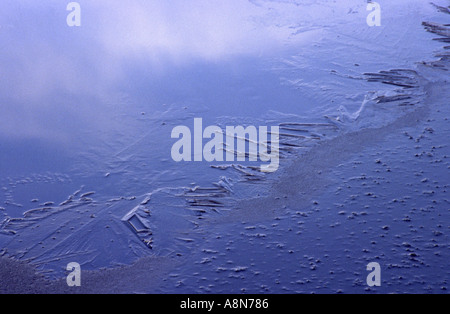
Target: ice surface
[86, 116]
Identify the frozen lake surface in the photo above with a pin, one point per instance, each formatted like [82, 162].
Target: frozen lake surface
[86, 116]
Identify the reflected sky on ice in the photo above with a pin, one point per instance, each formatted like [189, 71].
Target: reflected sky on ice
[94, 106]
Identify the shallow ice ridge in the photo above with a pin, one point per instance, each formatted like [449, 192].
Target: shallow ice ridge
[379, 108]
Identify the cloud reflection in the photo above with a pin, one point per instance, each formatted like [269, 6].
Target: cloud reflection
[43, 61]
